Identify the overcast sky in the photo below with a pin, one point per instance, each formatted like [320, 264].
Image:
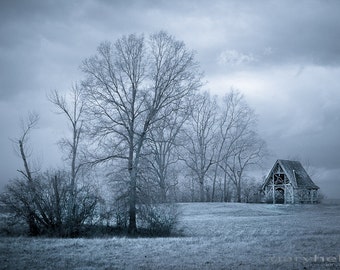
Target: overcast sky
[284, 56]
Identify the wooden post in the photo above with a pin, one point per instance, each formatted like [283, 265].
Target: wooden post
[273, 191]
[284, 189]
[292, 193]
[293, 190]
[311, 196]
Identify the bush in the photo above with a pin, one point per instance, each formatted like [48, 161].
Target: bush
[12, 226]
[48, 206]
[158, 219]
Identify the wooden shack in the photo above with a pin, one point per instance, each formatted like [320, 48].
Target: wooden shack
[288, 183]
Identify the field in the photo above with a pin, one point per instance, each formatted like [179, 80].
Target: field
[216, 236]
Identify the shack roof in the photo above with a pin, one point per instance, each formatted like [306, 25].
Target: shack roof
[295, 173]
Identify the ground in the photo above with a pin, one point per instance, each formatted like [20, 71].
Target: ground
[216, 236]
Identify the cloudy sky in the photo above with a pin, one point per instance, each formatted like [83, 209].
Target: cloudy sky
[284, 56]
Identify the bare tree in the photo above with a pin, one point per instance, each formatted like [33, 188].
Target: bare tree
[43, 200]
[162, 145]
[73, 110]
[129, 86]
[247, 152]
[238, 146]
[24, 197]
[232, 112]
[201, 140]
[21, 144]
[72, 107]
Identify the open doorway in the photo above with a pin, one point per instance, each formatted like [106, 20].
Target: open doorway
[279, 196]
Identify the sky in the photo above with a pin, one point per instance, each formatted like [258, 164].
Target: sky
[284, 56]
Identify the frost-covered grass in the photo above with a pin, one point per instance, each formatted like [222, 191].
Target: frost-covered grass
[217, 236]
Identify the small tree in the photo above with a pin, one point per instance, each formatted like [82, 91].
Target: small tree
[43, 200]
[73, 109]
[30, 199]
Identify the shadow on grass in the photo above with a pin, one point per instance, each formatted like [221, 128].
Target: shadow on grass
[92, 231]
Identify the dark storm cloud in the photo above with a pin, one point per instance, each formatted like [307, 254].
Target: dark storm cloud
[306, 31]
[279, 32]
[23, 28]
[24, 23]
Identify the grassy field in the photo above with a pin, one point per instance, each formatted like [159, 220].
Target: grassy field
[217, 236]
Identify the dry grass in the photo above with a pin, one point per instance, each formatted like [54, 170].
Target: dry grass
[218, 236]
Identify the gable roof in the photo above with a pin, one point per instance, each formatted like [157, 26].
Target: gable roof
[295, 173]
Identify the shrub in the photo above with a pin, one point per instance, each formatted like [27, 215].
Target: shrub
[49, 206]
[11, 225]
[158, 219]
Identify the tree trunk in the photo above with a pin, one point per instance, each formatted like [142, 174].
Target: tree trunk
[33, 228]
[202, 193]
[132, 228]
[238, 190]
[133, 166]
[225, 191]
[162, 191]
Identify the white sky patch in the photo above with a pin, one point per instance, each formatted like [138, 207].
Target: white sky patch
[268, 51]
[236, 58]
[200, 33]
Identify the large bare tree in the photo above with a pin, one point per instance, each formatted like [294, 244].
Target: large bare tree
[129, 86]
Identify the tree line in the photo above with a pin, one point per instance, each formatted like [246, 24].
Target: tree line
[141, 126]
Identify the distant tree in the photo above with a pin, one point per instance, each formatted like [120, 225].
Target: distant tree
[232, 112]
[247, 152]
[162, 146]
[251, 190]
[242, 148]
[200, 149]
[129, 88]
